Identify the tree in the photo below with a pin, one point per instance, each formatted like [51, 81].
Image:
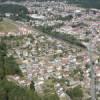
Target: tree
[75, 93]
[1, 18]
[3, 55]
[32, 87]
[8, 65]
[10, 91]
[6, 95]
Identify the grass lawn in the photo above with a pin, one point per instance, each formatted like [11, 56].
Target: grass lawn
[7, 26]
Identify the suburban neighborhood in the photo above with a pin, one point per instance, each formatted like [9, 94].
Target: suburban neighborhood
[55, 48]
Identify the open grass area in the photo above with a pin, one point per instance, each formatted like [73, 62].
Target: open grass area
[7, 26]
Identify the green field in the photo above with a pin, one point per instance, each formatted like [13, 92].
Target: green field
[7, 26]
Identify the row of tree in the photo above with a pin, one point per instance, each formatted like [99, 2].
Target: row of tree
[63, 36]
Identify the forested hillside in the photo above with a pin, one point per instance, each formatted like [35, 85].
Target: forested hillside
[13, 8]
[86, 3]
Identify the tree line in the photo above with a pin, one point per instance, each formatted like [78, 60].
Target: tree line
[62, 36]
